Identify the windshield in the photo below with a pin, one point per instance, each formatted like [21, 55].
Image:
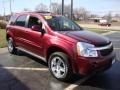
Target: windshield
[60, 23]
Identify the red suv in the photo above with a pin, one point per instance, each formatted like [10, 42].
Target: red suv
[66, 47]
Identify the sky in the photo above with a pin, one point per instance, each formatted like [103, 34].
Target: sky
[94, 6]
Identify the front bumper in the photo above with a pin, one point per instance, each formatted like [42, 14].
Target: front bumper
[86, 66]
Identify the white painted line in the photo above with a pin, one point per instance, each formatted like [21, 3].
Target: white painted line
[115, 40]
[116, 48]
[71, 87]
[25, 68]
[76, 84]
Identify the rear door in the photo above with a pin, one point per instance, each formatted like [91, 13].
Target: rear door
[10, 26]
[19, 31]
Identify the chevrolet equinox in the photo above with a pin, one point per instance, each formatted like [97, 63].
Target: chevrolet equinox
[65, 46]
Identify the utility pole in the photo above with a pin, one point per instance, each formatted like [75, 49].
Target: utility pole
[71, 9]
[10, 7]
[50, 6]
[4, 9]
[62, 7]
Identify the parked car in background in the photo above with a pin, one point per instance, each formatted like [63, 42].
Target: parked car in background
[65, 46]
[104, 22]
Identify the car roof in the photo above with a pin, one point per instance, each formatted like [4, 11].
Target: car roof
[42, 13]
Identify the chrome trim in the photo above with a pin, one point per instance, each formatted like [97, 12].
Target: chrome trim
[102, 48]
[33, 54]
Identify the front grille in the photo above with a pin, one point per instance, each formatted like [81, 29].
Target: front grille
[107, 51]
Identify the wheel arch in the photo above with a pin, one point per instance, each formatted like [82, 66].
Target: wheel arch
[53, 49]
[8, 36]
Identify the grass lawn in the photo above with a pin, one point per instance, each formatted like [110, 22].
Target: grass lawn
[100, 31]
[2, 38]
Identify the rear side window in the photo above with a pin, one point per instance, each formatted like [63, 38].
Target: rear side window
[21, 20]
[12, 20]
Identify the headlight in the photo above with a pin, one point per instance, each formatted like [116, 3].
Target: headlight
[86, 50]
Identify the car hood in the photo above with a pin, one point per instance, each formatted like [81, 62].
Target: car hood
[89, 37]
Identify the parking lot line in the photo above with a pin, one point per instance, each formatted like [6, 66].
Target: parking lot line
[25, 68]
[116, 48]
[76, 84]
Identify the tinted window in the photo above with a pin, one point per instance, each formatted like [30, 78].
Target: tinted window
[59, 23]
[12, 19]
[53, 23]
[21, 20]
[34, 21]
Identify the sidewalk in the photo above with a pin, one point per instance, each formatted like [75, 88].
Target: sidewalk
[3, 50]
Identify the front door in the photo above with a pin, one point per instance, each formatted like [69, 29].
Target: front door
[34, 38]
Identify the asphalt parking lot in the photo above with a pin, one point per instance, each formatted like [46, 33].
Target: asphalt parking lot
[24, 72]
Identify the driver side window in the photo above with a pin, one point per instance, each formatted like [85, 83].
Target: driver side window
[34, 21]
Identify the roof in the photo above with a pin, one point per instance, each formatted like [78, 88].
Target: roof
[36, 12]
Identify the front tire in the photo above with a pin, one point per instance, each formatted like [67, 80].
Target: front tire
[11, 46]
[59, 66]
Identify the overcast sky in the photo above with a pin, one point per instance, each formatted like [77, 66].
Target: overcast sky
[94, 6]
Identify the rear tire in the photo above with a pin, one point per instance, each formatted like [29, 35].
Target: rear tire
[60, 67]
[11, 46]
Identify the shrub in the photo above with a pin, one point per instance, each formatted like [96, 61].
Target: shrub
[3, 24]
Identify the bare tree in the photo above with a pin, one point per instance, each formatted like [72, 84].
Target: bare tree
[108, 17]
[27, 10]
[41, 7]
[81, 13]
[93, 16]
[67, 11]
[76, 13]
[117, 15]
[54, 8]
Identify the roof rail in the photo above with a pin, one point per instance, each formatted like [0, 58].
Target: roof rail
[42, 12]
[39, 12]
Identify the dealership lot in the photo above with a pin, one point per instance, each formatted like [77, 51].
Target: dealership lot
[24, 72]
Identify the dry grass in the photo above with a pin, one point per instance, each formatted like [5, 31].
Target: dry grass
[2, 38]
[96, 26]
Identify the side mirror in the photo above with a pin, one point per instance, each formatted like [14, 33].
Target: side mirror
[35, 28]
[38, 28]
[12, 23]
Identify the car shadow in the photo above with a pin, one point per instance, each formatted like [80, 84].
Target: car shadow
[10, 82]
[109, 79]
[71, 81]
[21, 53]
